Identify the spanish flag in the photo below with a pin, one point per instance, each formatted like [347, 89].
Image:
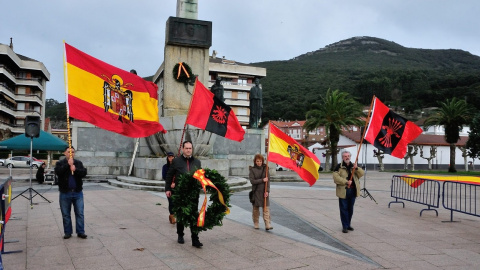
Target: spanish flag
[108, 97]
[285, 151]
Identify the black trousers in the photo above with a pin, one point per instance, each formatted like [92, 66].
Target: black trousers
[181, 228]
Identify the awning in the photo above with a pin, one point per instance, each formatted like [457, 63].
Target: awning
[9, 98]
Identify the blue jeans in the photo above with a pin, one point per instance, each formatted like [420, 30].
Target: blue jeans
[67, 199]
[346, 207]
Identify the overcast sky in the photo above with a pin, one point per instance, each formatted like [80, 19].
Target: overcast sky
[130, 34]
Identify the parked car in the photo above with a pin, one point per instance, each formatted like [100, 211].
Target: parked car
[2, 162]
[281, 168]
[22, 162]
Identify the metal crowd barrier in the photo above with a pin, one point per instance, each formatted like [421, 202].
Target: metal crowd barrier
[418, 190]
[462, 198]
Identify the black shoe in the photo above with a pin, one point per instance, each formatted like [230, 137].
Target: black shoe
[344, 230]
[82, 235]
[180, 240]
[196, 243]
[66, 236]
[350, 228]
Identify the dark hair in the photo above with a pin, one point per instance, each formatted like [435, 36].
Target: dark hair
[168, 161]
[258, 156]
[66, 148]
[183, 145]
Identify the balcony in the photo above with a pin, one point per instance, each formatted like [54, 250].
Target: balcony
[24, 113]
[35, 82]
[14, 128]
[235, 85]
[29, 98]
[4, 107]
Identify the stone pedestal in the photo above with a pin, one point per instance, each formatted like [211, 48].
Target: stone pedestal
[187, 41]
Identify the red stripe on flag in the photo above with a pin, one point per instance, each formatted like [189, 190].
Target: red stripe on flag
[97, 116]
[308, 171]
[101, 69]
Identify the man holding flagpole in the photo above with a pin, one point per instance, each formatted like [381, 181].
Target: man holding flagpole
[347, 178]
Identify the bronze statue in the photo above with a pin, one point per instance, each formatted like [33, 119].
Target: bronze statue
[217, 89]
[256, 105]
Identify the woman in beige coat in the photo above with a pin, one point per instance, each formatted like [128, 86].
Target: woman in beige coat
[258, 179]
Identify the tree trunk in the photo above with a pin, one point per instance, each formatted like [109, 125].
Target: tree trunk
[451, 168]
[333, 149]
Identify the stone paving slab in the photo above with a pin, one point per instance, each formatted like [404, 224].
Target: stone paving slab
[129, 229]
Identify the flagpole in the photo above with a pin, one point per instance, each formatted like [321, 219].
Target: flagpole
[65, 80]
[188, 113]
[363, 135]
[266, 173]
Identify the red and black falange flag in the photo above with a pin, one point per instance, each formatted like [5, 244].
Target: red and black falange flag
[211, 114]
[389, 131]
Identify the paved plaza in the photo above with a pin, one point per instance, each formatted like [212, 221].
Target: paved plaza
[129, 229]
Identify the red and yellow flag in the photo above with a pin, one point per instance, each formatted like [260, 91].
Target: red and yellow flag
[108, 97]
[285, 151]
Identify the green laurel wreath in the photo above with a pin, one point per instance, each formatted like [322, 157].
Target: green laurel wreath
[186, 204]
[183, 76]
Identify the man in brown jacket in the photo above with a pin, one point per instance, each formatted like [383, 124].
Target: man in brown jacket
[348, 188]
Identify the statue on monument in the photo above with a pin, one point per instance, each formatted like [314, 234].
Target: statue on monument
[217, 89]
[256, 105]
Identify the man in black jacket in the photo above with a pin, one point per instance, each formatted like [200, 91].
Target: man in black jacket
[184, 163]
[70, 174]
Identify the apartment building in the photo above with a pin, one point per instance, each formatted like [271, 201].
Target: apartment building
[237, 79]
[22, 89]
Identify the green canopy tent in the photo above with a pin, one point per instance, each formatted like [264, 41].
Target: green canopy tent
[45, 141]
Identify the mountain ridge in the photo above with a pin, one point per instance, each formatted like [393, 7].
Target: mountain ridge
[363, 66]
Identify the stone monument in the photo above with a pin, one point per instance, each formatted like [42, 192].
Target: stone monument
[256, 105]
[186, 56]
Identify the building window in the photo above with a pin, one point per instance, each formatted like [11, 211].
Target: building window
[227, 94]
[21, 90]
[242, 111]
[226, 81]
[242, 95]
[242, 81]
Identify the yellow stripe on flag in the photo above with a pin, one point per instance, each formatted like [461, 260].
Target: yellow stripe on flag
[88, 87]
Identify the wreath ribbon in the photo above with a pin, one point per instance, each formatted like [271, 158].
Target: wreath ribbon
[180, 67]
[200, 176]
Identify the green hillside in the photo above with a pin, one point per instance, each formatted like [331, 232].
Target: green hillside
[408, 79]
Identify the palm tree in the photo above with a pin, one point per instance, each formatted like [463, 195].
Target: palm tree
[335, 111]
[453, 114]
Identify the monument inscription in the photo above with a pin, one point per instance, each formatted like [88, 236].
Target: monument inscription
[187, 32]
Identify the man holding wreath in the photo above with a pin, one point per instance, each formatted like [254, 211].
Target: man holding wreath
[184, 163]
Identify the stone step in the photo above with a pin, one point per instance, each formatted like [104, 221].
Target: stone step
[121, 184]
[140, 181]
[99, 178]
[236, 183]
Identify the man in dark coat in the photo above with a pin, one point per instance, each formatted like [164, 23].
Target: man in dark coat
[70, 174]
[185, 163]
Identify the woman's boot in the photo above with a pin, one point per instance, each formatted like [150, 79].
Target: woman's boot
[171, 218]
[256, 216]
[266, 218]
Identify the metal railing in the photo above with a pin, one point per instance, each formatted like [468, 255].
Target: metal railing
[417, 190]
[461, 197]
